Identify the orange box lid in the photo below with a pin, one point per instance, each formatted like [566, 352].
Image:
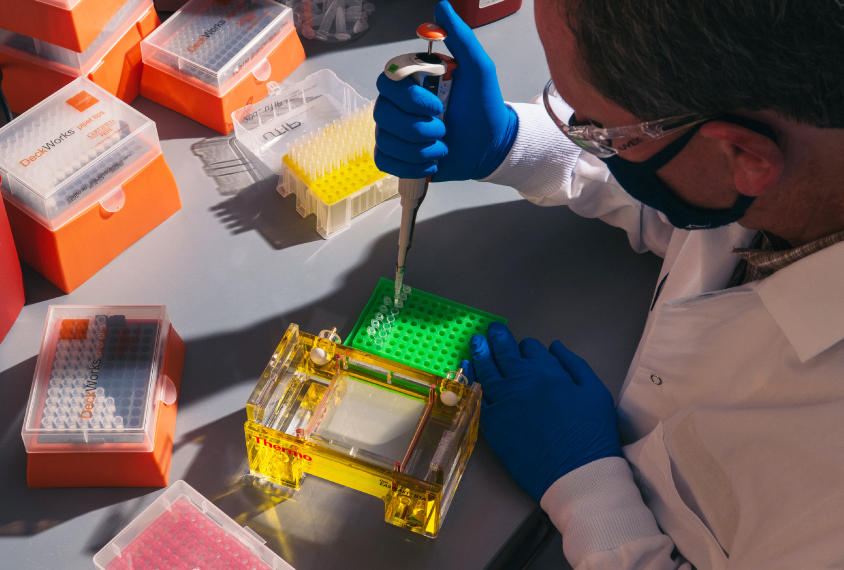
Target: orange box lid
[98, 380]
[71, 24]
[71, 150]
[213, 43]
[69, 61]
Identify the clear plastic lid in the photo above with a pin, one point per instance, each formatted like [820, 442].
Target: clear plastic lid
[67, 60]
[72, 150]
[183, 529]
[290, 112]
[98, 380]
[211, 42]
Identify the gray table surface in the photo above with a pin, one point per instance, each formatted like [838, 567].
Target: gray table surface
[235, 271]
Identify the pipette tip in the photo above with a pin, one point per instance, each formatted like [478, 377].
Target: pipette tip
[399, 281]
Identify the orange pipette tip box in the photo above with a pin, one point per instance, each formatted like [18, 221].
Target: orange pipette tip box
[11, 282]
[102, 409]
[213, 57]
[71, 24]
[83, 178]
[33, 69]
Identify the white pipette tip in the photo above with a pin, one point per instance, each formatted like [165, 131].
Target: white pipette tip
[399, 281]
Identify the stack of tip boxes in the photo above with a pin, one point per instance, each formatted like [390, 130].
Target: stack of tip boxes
[319, 136]
[182, 530]
[36, 64]
[71, 24]
[83, 178]
[102, 410]
[215, 56]
[11, 281]
[357, 419]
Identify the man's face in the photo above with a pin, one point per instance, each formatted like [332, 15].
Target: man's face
[697, 174]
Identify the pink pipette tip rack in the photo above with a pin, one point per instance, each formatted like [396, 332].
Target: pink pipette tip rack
[182, 530]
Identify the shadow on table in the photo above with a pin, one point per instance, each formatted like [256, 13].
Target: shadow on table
[25, 511]
[259, 207]
[251, 202]
[36, 286]
[542, 273]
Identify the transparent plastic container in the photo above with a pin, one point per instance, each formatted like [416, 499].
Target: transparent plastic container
[336, 184]
[98, 380]
[212, 44]
[289, 112]
[333, 218]
[365, 422]
[182, 529]
[72, 150]
[331, 20]
[69, 61]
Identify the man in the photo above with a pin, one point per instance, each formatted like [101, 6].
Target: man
[732, 413]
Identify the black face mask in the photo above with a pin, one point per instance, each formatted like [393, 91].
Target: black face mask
[639, 179]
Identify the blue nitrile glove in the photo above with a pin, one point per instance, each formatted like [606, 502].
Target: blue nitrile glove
[543, 412]
[479, 128]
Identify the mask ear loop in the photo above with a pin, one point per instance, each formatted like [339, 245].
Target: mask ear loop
[744, 201]
[749, 124]
[665, 156]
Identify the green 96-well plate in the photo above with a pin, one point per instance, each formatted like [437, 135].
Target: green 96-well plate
[430, 333]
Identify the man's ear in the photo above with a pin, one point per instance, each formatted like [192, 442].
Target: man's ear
[756, 160]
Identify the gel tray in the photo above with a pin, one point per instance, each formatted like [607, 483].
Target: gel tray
[430, 333]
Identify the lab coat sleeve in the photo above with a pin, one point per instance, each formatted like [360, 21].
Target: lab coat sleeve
[549, 170]
[604, 521]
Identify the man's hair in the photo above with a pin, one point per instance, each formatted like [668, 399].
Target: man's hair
[660, 58]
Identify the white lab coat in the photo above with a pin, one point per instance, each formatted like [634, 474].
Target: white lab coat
[732, 411]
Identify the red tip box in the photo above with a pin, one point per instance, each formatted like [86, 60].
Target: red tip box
[11, 282]
[480, 12]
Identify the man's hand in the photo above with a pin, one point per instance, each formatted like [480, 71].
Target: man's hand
[544, 412]
[479, 128]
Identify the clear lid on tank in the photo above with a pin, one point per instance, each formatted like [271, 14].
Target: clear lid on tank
[209, 42]
[70, 61]
[72, 150]
[98, 379]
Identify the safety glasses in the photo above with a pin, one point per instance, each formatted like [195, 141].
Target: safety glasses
[598, 140]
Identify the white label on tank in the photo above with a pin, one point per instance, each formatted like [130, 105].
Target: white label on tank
[488, 3]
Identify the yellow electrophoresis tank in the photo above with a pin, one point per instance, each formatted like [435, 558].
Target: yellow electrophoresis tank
[364, 422]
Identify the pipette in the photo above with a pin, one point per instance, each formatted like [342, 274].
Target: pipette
[432, 71]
